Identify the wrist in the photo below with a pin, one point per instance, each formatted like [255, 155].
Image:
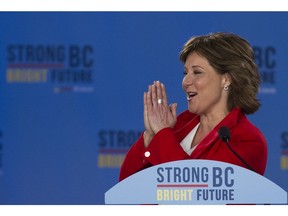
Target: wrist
[147, 138]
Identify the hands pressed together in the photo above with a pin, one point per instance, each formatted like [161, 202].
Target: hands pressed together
[157, 113]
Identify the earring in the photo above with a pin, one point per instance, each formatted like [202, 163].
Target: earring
[226, 87]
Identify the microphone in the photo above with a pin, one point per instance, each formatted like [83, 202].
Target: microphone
[224, 134]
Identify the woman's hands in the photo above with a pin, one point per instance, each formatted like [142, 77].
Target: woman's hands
[157, 113]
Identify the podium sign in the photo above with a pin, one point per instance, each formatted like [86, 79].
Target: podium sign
[196, 182]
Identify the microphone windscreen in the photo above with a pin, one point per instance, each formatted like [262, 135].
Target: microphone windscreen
[224, 133]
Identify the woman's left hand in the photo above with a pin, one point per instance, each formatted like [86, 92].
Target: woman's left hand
[159, 114]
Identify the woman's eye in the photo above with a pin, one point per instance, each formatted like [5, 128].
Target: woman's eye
[185, 73]
[197, 72]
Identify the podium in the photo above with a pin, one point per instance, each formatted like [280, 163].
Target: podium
[199, 182]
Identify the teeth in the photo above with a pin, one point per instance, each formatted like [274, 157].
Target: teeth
[190, 95]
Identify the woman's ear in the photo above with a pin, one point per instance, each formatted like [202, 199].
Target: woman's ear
[226, 81]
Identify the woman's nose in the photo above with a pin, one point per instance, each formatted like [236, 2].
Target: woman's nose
[187, 80]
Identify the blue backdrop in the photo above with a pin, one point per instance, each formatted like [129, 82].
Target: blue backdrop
[72, 84]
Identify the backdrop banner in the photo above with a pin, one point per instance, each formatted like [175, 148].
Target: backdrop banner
[71, 93]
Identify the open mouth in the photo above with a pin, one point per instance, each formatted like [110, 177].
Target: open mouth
[190, 95]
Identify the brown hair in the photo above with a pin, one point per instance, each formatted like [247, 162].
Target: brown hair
[231, 54]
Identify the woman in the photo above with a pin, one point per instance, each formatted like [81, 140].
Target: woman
[221, 83]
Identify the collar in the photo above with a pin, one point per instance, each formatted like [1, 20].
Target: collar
[229, 121]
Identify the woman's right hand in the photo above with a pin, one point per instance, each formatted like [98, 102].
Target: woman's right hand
[157, 114]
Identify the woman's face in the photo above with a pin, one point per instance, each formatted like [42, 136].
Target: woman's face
[204, 87]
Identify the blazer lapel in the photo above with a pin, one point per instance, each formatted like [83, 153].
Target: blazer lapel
[229, 121]
[182, 132]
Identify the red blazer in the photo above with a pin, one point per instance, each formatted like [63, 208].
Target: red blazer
[246, 140]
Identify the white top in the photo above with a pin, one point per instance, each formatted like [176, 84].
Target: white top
[186, 142]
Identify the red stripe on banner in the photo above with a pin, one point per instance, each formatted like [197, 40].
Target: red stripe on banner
[182, 185]
[35, 66]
